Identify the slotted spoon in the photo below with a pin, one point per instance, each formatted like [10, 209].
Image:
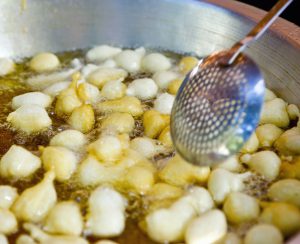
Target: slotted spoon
[218, 105]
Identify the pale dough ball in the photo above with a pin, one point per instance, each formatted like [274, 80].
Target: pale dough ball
[35, 202]
[44, 62]
[8, 222]
[31, 98]
[129, 60]
[107, 148]
[101, 53]
[88, 92]
[142, 88]
[103, 75]
[71, 139]
[8, 195]
[285, 190]
[7, 66]
[18, 162]
[221, 182]
[266, 163]
[65, 218]
[267, 134]
[155, 62]
[164, 103]
[113, 89]
[106, 217]
[30, 118]
[119, 122]
[92, 172]
[239, 208]
[275, 112]
[164, 78]
[146, 146]
[166, 225]
[61, 160]
[208, 228]
[263, 234]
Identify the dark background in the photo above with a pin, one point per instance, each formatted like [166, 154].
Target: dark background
[292, 13]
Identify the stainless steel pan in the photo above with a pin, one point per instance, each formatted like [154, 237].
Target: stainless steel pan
[194, 26]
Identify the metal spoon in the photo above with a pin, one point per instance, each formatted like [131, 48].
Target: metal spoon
[218, 105]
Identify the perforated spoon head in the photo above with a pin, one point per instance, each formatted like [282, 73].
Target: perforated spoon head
[216, 109]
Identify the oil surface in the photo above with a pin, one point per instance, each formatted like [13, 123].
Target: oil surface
[13, 85]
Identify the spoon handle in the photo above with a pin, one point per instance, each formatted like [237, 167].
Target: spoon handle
[259, 29]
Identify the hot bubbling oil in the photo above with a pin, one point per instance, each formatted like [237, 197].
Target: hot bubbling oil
[14, 85]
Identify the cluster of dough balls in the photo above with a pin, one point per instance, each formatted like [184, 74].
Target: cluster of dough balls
[183, 202]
